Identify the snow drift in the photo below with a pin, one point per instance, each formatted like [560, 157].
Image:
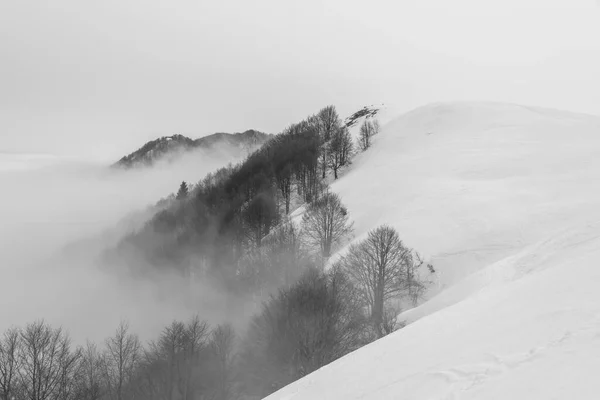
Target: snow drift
[504, 200]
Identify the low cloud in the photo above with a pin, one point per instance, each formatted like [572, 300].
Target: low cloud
[47, 206]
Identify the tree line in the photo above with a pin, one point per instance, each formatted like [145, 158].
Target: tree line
[235, 229]
[313, 319]
[213, 227]
[187, 361]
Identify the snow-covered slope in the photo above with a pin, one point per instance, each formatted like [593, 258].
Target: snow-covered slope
[505, 201]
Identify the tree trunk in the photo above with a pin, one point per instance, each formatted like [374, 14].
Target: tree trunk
[377, 310]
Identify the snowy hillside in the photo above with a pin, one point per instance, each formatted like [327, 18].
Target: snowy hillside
[504, 200]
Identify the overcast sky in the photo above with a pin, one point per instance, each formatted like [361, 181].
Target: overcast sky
[99, 78]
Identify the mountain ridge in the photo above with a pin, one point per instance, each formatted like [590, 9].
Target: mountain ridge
[169, 147]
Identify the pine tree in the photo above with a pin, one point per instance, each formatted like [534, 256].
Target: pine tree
[182, 193]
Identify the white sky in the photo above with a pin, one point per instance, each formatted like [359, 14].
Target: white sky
[99, 78]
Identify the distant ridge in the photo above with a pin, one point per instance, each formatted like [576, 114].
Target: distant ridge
[170, 147]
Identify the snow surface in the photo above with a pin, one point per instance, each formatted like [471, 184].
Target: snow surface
[504, 200]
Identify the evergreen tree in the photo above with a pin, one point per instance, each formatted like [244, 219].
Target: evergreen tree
[182, 193]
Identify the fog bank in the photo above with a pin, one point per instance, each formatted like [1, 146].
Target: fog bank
[46, 205]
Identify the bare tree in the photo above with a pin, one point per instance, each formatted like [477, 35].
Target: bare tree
[171, 367]
[339, 149]
[90, 374]
[284, 179]
[329, 123]
[47, 365]
[383, 269]
[376, 126]
[347, 147]
[260, 215]
[368, 129]
[284, 255]
[414, 284]
[70, 367]
[326, 223]
[9, 363]
[122, 356]
[303, 328]
[222, 351]
[196, 333]
[166, 357]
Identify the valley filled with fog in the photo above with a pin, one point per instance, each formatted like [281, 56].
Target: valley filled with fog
[59, 214]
